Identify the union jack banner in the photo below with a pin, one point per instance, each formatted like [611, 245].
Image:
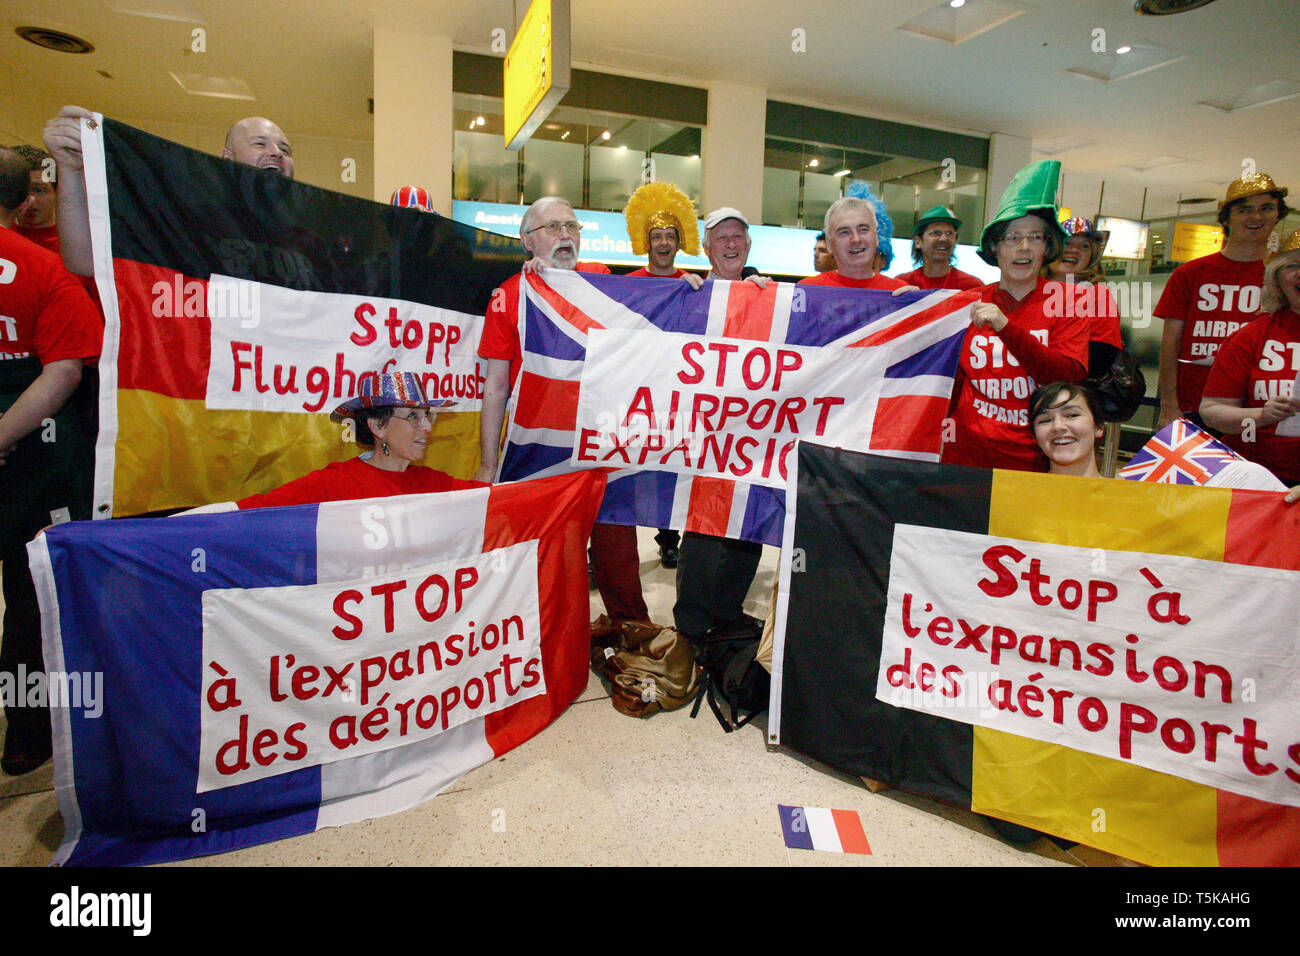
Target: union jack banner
[1180, 454]
[706, 392]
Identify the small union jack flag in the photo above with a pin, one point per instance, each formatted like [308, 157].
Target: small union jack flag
[1180, 454]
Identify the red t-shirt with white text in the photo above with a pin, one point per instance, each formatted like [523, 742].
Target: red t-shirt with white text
[1041, 342]
[1213, 296]
[43, 310]
[1257, 363]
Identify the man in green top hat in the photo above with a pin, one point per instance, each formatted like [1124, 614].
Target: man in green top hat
[933, 241]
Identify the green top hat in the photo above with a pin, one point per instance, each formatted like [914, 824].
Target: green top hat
[937, 214]
[1033, 189]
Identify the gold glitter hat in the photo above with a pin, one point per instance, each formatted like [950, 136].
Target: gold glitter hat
[661, 206]
[1253, 185]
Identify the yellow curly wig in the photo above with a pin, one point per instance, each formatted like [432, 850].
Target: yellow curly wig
[661, 206]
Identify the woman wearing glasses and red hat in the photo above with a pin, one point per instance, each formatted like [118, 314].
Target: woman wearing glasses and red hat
[1017, 337]
[393, 418]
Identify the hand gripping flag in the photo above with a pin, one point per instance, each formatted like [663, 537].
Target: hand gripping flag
[233, 694]
[1183, 454]
[1112, 662]
[239, 305]
[696, 398]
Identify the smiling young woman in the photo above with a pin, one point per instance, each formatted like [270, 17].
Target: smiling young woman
[1067, 426]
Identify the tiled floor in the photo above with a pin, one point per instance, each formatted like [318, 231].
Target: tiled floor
[599, 788]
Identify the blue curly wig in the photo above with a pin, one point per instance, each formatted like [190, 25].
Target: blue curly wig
[859, 189]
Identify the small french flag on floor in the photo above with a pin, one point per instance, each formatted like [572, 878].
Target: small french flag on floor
[817, 828]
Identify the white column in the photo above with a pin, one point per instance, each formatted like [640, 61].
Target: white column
[413, 120]
[733, 149]
[1007, 156]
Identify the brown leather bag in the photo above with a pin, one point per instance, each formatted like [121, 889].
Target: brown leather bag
[652, 669]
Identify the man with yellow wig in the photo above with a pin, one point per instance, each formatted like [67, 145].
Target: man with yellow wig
[661, 221]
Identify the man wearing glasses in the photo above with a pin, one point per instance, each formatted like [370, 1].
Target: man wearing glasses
[550, 233]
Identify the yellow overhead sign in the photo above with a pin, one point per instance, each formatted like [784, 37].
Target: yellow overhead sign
[536, 69]
[1192, 240]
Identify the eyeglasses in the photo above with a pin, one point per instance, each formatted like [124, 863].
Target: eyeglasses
[416, 417]
[1015, 238]
[558, 228]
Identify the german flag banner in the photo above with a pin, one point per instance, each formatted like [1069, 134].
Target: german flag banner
[1112, 662]
[240, 306]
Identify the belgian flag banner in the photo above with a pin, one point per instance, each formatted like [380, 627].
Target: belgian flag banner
[1112, 662]
[241, 306]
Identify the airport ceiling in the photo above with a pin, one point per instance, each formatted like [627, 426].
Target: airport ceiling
[308, 65]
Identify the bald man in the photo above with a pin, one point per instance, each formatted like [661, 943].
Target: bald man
[254, 141]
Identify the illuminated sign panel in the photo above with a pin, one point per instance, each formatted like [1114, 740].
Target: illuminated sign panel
[536, 69]
[1128, 237]
[1192, 240]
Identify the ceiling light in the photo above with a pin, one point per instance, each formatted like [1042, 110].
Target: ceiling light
[605, 135]
[1140, 58]
[956, 4]
[812, 164]
[1263, 94]
[957, 22]
[54, 40]
[1124, 49]
[1158, 8]
[480, 120]
[842, 172]
[218, 87]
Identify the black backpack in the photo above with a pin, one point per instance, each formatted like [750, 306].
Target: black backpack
[731, 675]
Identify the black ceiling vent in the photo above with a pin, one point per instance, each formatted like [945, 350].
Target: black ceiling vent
[54, 40]
[1160, 8]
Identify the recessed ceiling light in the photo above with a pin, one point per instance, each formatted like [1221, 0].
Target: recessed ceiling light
[605, 135]
[55, 40]
[812, 163]
[1263, 94]
[218, 87]
[956, 4]
[1124, 49]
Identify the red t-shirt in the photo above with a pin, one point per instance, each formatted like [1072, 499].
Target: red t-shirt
[642, 272]
[500, 338]
[1213, 296]
[1105, 315]
[355, 478]
[47, 237]
[998, 372]
[43, 310]
[833, 278]
[953, 279]
[1257, 363]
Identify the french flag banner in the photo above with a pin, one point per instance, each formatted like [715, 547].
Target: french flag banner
[817, 828]
[694, 399]
[378, 651]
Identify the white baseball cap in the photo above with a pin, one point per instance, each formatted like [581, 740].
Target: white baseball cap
[726, 212]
